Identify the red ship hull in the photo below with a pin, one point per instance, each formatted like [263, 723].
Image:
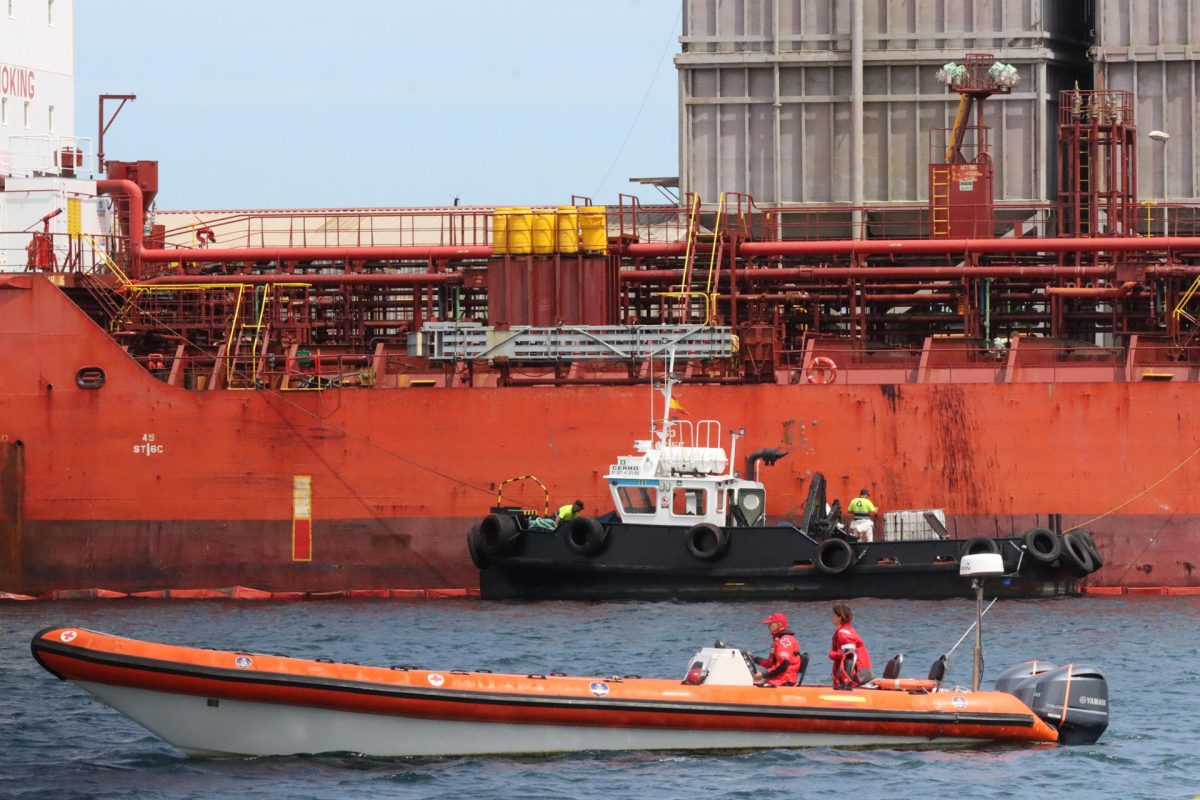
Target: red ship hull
[398, 475]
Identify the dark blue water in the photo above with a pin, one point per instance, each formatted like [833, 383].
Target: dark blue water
[55, 741]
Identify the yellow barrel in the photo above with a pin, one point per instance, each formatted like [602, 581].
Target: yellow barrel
[568, 229]
[517, 231]
[500, 230]
[594, 226]
[543, 231]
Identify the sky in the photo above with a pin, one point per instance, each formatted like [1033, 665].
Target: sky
[352, 103]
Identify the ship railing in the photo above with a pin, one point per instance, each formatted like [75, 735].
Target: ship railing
[895, 221]
[49, 154]
[1022, 359]
[829, 222]
[85, 253]
[631, 220]
[1161, 218]
[438, 226]
[685, 434]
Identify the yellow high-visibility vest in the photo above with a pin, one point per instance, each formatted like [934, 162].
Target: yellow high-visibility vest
[861, 505]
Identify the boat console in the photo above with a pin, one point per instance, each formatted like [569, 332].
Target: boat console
[720, 666]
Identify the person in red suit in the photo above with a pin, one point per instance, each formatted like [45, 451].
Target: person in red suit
[848, 672]
[782, 667]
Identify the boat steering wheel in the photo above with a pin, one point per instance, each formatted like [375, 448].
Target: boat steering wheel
[753, 667]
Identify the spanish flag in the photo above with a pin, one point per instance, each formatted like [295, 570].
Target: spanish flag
[676, 407]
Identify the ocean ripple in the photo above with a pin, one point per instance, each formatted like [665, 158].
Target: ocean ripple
[60, 743]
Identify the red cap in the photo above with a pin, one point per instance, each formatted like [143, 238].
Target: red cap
[780, 618]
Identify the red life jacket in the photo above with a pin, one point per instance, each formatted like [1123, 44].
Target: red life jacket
[847, 635]
[783, 665]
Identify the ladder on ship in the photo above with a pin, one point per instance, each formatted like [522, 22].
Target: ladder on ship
[1180, 313]
[939, 181]
[1086, 207]
[117, 313]
[939, 196]
[249, 331]
[696, 302]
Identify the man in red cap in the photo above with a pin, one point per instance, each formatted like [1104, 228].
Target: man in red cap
[782, 667]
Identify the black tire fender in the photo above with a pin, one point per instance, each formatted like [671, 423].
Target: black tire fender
[834, 557]
[498, 534]
[474, 547]
[1097, 559]
[706, 541]
[1076, 558]
[1042, 545]
[585, 536]
[979, 544]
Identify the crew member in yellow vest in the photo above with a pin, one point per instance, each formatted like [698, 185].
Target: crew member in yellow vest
[862, 508]
[569, 512]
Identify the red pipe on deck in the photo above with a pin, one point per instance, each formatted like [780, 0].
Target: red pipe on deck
[232, 255]
[281, 254]
[876, 247]
[774, 274]
[851, 247]
[339, 279]
[1113, 292]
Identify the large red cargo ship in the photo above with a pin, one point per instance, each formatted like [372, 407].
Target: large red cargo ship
[246, 398]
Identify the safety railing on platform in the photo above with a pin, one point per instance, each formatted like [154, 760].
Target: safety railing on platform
[1021, 360]
[452, 226]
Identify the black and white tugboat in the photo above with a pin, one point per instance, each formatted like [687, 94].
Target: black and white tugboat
[685, 525]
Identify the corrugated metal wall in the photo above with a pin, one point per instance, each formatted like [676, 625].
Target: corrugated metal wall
[765, 93]
[1152, 48]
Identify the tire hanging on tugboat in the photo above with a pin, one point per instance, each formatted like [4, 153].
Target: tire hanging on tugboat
[475, 548]
[1097, 559]
[706, 541]
[585, 536]
[498, 535]
[979, 544]
[1076, 558]
[1043, 545]
[834, 557]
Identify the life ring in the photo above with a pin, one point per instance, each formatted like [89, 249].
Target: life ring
[1043, 545]
[498, 534]
[475, 548]
[1097, 559]
[979, 544]
[821, 370]
[585, 536]
[834, 557]
[1075, 558]
[706, 541]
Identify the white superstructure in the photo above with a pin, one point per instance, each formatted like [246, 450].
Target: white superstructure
[44, 167]
[37, 85]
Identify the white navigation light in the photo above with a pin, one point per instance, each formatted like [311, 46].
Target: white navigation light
[981, 565]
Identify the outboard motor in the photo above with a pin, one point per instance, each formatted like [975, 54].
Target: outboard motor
[1073, 699]
[1017, 678]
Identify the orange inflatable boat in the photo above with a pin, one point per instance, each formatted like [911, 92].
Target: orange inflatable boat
[217, 703]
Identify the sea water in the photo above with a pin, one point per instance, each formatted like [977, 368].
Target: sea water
[57, 742]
